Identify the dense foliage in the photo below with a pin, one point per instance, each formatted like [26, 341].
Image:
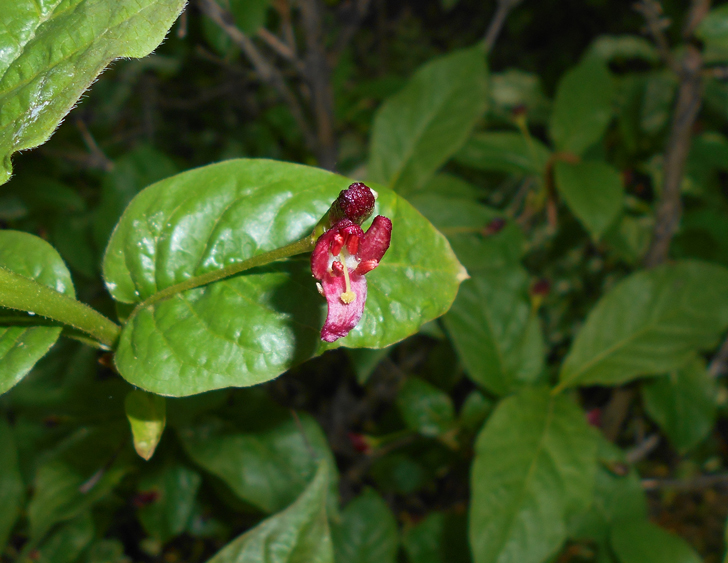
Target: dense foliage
[537, 372]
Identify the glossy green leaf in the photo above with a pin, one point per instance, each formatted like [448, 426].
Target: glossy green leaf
[299, 534]
[683, 403]
[425, 408]
[79, 472]
[713, 29]
[252, 327]
[366, 532]
[535, 461]
[593, 191]
[439, 538]
[419, 128]
[648, 324]
[51, 52]
[641, 541]
[12, 489]
[504, 151]
[21, 344]
[495, 330]
[267, 469]
[68, 542]
[173, 488]
[147, 415]
[583, 106]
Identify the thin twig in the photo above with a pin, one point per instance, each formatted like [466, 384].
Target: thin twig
[696, 483]
[656, 23]
[280, 48]
[669, 208]
[318, 78]
[351, 16]
[499, 19]
[283, 7]
[99, 159]
[268, 72]
[643, 449]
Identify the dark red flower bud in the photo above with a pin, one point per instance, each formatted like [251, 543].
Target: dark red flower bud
[145, 498]
[360, 442]
[494, 227]
[541, 287]
[356, 202]
[594, 417]
[519, 110]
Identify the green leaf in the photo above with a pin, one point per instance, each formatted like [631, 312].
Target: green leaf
[593, 191]
[366, 532]
[425, 408]
[21, 344]
[713, 29]
[648, 324]
[249, 14]
[641, 541]
[79, 472]
[439, 538]
[504, 151]
[12, 489]
[474, 411]
[267, 469]
[495, 331]
[610, 47]
[583, 106]
[252, 327]
[68, 542]
[419, 128]
[147, 416]
[515, 88]
[52, 52]
[298, 534]
[683, 403]
[173, 488]
[535, 461]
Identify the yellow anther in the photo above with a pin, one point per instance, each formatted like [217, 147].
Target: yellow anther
[347, 296]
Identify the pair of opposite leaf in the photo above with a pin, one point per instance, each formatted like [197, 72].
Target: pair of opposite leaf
[344, 253]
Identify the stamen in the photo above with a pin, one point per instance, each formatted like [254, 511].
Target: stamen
[348, 296]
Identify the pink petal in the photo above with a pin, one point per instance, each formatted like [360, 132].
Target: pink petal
[375, 241]
[342, 317]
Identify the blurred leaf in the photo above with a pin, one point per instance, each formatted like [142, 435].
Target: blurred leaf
[657, 101]
[630, 237]
[71, 235]
[504, 151]
[249, 14]
[610, 47]
[298, 534]
[419, 128]
[448, 185]
[495, 331]
[171, 488]
[106, 551]
[448, 5]
[515, 88]
[583, 106]
[132, 172]
[593, 191]
[365, 361]
[648, 324]
[267, 469]
[474, 411]
[147, 415]
[534, 463]
[425, 408]
[641, 541]
[250, 328]
[21, 344]
[12, 488]
[713, 29]
[68, 542]
[51, 54]
[439, 538]
[400, 473]
[683, 403]
[79, 472]
[367, 531]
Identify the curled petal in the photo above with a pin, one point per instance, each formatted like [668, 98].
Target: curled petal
[320, 254]
[342, 317]
[375, 241]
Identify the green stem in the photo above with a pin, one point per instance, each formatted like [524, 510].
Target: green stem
[25, 294]
[306, 244]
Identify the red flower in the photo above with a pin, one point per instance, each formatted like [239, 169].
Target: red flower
[342, 256]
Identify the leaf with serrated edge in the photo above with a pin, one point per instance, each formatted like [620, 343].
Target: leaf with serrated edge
[52, 51]
[21, 344]
[299, 533]
[252, 327]
[535, 461]
[649, 323]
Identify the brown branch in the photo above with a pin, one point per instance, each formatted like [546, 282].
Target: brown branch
[696, 483]
[318, 78]
[499, 19]
[656, 23]
[351, 16]
[283, 7]
[669, 208]
[280, 48]
[97, 158]
[267, 72]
